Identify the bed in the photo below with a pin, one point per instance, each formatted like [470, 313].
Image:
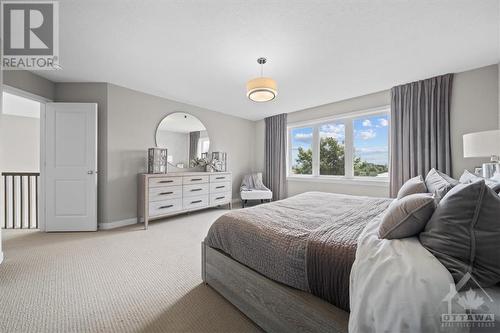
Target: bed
[314, 263]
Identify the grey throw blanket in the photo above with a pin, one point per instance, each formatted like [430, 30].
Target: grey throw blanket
[307, 241]
[331, 250]
[253, 182]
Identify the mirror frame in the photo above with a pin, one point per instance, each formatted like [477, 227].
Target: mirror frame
[170, 165]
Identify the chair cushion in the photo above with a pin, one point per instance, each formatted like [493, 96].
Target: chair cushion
[256, 195]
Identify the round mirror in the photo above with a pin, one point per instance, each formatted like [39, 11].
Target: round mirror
[185, 138]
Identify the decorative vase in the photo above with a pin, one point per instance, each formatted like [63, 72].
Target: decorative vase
[157, 160]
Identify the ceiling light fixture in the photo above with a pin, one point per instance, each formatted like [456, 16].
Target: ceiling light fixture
[261, 89]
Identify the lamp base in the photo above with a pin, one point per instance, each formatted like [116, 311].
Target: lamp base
[489, 169]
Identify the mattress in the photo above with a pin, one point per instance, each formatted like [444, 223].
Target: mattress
[307, 241]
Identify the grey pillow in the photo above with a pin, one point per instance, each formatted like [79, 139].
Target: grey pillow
[407, 217]
[464, 233]
[468, 177]
[439, 183]
[412, 186]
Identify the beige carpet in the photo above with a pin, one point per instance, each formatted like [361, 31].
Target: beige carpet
[122, 280]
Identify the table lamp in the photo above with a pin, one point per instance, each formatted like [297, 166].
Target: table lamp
[484, 144]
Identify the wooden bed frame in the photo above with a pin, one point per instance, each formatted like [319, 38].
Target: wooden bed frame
[271, 305]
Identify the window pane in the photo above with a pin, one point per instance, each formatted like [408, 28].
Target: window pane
[331, 149]
[371, 146]
[301, 150]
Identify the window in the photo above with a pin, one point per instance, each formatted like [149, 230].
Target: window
[301, 150]
[332, 149]
[371, 146]
[354, 146]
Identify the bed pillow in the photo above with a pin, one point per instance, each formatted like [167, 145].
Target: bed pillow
[464, 232]
[439, 183]
[468, 177]
[412, 186]
[407, 217]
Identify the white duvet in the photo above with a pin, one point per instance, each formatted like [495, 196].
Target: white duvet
[397, 286]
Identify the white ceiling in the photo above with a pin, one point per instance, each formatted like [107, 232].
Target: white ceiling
[203, 52]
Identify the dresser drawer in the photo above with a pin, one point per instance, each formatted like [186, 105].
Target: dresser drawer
[165, 181]
[220, 187]
[220, 198]
[195, 202]
[186, 180]
[165, 192]
[157, 208]
[194, 190]
[216, 178]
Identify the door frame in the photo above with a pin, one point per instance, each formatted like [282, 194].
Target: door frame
[41, 185]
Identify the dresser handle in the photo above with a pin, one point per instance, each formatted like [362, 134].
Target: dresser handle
[218, 198]
[167, 206]
[219, 187]
[166, 181]
[220, 177]
[195, 179]
[197, 201]
[165, 193]
[196, 189]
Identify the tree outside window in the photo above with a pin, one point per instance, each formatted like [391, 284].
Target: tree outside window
[367, 141]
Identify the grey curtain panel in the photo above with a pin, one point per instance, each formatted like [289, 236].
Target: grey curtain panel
[420, 129]
[194, 137]
[275, 155]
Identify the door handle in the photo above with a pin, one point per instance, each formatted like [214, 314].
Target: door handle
[90, 172]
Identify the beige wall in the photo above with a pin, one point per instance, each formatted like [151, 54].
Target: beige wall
[1, 105]
[132, 120]
[30, 82]
[128, 118]
[19, 144]
[474, 107]
[350, 105]
[126, 125]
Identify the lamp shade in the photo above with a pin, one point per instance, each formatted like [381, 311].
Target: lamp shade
[262, 89]
[482, 144]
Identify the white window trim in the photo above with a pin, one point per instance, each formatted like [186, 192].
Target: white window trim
[349, 177]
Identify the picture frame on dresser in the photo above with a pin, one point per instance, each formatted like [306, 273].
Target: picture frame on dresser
[168, 194]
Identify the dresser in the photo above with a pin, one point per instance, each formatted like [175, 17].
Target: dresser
[162, 195]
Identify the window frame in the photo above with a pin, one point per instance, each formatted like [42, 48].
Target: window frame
[348, 120]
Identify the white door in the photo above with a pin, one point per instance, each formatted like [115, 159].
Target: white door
[70, 167]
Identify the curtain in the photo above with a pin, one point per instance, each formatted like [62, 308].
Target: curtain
[275, 155]
[420, 129]
[194, 137]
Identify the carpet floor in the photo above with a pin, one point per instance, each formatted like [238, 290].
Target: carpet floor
[121, 280]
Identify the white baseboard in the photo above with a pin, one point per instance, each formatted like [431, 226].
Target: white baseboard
[1, 257]
[122, 223]
[117, 224]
